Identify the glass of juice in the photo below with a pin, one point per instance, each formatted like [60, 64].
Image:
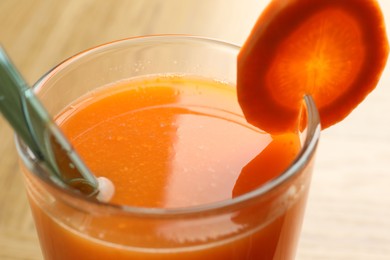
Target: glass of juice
[159, 117]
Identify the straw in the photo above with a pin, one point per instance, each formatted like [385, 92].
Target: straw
[34, 126]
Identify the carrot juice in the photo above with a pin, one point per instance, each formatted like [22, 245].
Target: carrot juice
[193, 180]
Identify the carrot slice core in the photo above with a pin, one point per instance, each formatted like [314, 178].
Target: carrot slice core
[320, 58]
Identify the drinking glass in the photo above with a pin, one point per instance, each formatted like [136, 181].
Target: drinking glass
[261, 224]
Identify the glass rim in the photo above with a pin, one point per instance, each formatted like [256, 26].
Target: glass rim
[303, 158]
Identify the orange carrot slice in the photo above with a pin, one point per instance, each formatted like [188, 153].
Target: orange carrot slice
[334, 50]
[268, 164]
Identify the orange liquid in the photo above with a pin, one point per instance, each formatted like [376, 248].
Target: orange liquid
[172, 142]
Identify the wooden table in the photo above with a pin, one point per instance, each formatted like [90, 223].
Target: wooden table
[348, 214]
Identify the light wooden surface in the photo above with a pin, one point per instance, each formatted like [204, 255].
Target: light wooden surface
[348, 214]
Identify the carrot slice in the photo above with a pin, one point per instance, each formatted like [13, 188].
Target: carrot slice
[333, 50]
[268, 164]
